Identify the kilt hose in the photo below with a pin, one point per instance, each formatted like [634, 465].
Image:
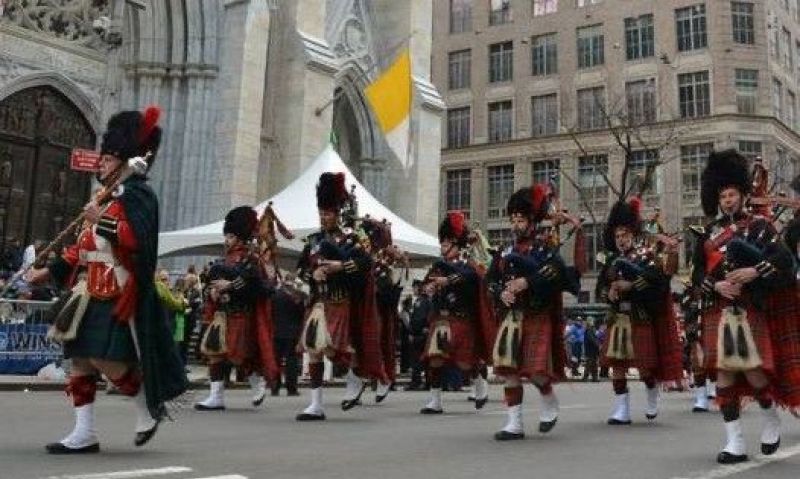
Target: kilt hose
[542, 351]
[460, 348]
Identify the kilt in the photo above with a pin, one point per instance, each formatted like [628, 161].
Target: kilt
[460, 350]
[543, 351]
[783, 318]
[761, 336]
[645, 348]
[241, 339]
[388, 317]
[366, 330]
[101, 336]
[337, 317]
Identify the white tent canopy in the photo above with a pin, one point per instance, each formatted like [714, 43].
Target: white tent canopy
[295, 205]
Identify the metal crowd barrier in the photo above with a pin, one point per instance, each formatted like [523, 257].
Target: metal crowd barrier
[24, 347]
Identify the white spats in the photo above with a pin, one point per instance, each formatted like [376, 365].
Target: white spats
[701, 403]
[144, 420]
[84, 433]
[735, 444]
[353, 386]
[258, 386]
[711, 389]
[481, 389]
[215, 399]
[434, 405]
[549, 412]
[315, 408]
[382, 391]
[651, 410]
[771, 430]
[621, 411]
[514, 420]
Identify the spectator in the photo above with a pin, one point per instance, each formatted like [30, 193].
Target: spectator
[29, 256]
[405, 334]
[591, 350]
[194, 298]
[419, 330]
[12, 258]
[288, 310]
[179, 336]
[168, 300]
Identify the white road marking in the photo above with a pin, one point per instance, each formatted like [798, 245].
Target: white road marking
[132, 474]
[758, 461]
[229, 476]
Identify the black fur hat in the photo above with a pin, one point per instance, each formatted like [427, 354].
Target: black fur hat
[623, 214]
[529, 201]
[241, 222]
[724, 169]
[331, 191]
[132, 133]
[454, 227]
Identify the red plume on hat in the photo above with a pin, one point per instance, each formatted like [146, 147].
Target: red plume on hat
[539, 193]
[454, 227]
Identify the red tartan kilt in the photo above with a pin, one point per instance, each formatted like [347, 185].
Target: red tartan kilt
[758, 325]
[337, 317]
[783, 319]
[539, 355]
[388, 325]
[241, 339]
[645, 349]
[461, 350]
[366, 340]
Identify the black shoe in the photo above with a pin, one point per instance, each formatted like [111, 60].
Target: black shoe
[699, 409]
[769, 449]
[259, 400]
[429, 411]
[651, 417]
[728, 458]
[349, 404]
[304, 416]
[479, 403]
[471, 398]
[292, 392]
[58, 448]
[141, 438]
[380, 398]
[547, 426]
[508, 436]
[202, 407]
[617, 422]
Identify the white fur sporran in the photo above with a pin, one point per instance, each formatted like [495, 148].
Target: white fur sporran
[507, 347]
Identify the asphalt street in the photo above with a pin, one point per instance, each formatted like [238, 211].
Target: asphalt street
[388, 441]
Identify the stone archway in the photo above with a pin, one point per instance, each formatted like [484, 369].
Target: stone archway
[39, 194]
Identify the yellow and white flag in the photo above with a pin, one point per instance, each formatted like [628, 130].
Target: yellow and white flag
[390, 98]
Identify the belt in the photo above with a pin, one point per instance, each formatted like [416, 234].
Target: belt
[97, 257]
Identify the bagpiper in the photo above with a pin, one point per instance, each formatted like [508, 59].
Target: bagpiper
[642, 329]
[528, 279]
[748, 278]
[236, 313]
[115, 324]
[342, 322]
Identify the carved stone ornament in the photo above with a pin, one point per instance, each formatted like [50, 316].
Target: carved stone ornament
[66, 20]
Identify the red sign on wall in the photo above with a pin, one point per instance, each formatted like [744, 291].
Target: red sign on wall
[84, 160]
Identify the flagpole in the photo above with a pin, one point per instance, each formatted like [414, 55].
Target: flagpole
[363, 75]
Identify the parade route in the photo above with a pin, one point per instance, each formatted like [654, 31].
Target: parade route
[389, 441]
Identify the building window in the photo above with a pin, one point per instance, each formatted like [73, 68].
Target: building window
[458, 127]
[460, 16]
[501, 62]
[499, 238]
[460, 63]
[786, 48]
[593, 239]
[690, 25]
[544, 54]
[694, 95]
[750, 149]
[642, 163]
[499, 12]
[458, 186]
[545, 171]
[583, 3]
[501, 185]
[791, 109]
[543, 7]
[639, 37]
[544, 115]
[591, 108]
[746, 91]
[500, 121]
[590, 46]
[594, 189]
[777, 99]
[693, 160]
[742, 19]
[774, 43]
[641, 101]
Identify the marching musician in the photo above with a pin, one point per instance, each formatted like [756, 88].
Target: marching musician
[748, 278]
[642, 329]
[529, 278]
[237, 307]
[121, 333]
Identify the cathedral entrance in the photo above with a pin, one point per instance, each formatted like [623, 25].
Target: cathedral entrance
[39, 193]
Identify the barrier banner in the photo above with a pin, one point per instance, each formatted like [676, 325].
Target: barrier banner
[24, 348]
